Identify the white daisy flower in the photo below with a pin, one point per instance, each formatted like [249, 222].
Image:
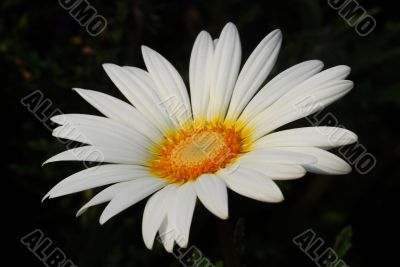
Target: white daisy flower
[177, 147]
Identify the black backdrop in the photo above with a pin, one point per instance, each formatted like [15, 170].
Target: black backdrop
[43, 48]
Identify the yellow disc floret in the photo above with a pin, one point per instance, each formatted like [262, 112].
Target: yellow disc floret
[187, 153]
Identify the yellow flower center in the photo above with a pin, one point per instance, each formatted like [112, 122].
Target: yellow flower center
[188, 153]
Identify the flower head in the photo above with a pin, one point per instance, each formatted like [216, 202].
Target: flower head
[176, 146]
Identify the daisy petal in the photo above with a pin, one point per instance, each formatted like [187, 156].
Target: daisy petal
[120, 111]
[294, 107]
[322, 136]
[273, 155]
[254, 72]
[167, 235]
[171, 88]
[325, 77]
[185, 202]
[167, 231]
[280, 85]
[211, 191]
[154, 214]
[253, 184]
[98, 131]
[327, 163]
[277, 171]
[102, 197]
[100, 139]
[97, 176]
[128, 155]
[215, 41]
[137, 86]
[225, 69]
[134, 191]
[200, 73]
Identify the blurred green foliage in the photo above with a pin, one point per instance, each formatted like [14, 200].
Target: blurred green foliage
[343, 242]
[43, 48]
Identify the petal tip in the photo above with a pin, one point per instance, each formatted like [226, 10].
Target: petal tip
[148, 246]
[102, 220]
[145, 49]
[80, 211]
[277, 33]
[44, 198]
[79, 90]
[108, 66]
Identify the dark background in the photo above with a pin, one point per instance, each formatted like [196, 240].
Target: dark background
[43, 48]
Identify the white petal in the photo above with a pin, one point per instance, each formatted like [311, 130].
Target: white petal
[322, 136]
[292, 107]
[200, 74]
[154, 214]
[225, 69]
[102, 197]
[171, 88]
[280, 85]
[128, 155]
[327, 163]
[120, 111]
[273, 155]
[215, 42]
[184, 205]
[97, 176]
[277, 171]
[134, 191]
[212, 192]
[167, 235]
[328, 76]
[139, 89]
[100, 131]
[253, 184]
[167, 232]
[254, 73]
[98, 138]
